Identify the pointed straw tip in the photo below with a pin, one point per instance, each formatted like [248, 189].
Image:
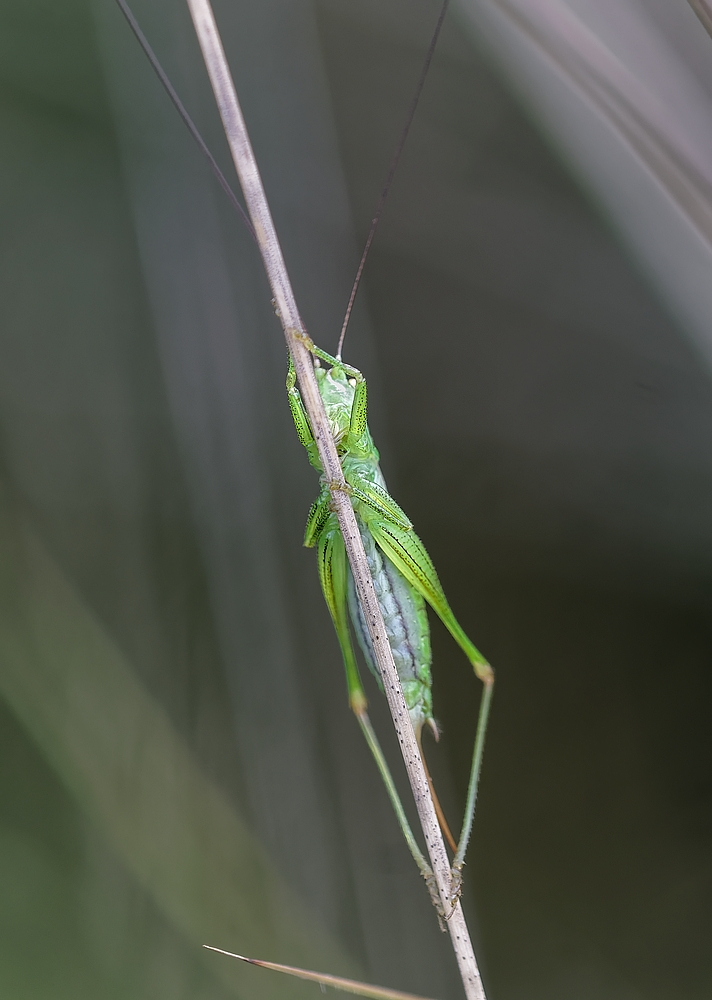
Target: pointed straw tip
[231, 954]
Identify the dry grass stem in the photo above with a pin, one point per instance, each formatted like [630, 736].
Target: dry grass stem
[297, 342]
[335, 982]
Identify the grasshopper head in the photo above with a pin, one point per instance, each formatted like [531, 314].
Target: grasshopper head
[337, 394]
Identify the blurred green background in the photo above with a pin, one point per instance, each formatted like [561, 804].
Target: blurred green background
[178, 763]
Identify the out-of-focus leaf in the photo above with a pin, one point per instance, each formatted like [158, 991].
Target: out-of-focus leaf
[116, 750]
[623, 100]
[704, 12]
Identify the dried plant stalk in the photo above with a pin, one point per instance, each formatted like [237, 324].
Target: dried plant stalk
[297, 342]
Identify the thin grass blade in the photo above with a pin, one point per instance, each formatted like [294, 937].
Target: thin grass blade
[336, 982]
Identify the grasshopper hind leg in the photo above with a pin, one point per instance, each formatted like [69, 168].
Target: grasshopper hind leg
[407, 552]
[334, 581]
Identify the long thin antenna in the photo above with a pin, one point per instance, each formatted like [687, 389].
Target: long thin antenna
[391, 172]
[168, 87]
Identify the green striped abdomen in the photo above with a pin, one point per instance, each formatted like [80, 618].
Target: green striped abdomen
[406, 622]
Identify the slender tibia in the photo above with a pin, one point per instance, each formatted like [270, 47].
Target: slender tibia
[334, 362]
[358, 706]
[375, 747]
[423, 867]
[329, 358]
[487, 677]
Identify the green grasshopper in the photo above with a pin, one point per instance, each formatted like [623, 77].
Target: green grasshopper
[402, 571]
[404, 578]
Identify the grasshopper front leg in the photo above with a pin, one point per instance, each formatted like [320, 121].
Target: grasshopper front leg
[357, 424]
